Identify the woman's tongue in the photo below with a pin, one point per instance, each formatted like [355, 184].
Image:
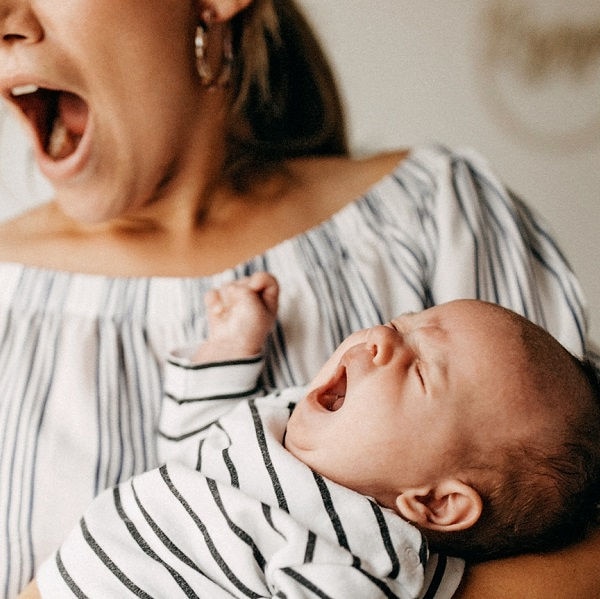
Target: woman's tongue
[68, 127]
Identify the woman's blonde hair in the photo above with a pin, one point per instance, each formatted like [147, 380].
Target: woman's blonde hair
[285, 102]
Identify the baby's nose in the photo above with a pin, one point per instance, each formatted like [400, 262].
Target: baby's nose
[384, 342]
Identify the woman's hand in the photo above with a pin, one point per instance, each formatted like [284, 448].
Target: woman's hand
[571, 573]
[30, 591]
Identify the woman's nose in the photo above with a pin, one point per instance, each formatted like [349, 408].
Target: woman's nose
[18, 22]
[386, 343]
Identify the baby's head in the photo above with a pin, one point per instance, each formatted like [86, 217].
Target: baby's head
[467, 419]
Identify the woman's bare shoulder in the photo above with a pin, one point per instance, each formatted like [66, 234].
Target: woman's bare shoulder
[30, 233]
[355, 171]
[17, 227]
[336, 181]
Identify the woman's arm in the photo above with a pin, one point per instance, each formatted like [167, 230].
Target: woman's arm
[571, 573]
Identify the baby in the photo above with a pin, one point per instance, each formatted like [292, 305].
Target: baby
[467, 419]
[465, 422]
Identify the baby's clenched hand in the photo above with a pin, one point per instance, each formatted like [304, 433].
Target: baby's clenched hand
[240, 316]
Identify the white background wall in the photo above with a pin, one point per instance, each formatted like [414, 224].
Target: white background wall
[523, 88]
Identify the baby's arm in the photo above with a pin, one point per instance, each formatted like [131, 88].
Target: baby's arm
[240, 316]
[204, 384]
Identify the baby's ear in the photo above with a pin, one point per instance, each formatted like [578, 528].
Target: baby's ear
[446, 506]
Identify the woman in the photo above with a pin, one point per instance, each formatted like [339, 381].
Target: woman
[190, 142]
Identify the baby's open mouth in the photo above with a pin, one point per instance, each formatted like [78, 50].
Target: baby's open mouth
[58, 117]
[332, 395]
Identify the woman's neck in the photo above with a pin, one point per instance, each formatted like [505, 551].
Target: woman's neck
[181, 235]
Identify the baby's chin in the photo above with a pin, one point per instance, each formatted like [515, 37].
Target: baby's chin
[291, 437]
[298, 439]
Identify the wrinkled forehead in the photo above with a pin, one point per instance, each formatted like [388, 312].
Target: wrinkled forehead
[483, 320]
[482, 338]
[463, 324]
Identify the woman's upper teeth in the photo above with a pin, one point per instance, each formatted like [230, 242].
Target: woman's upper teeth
[23, 90]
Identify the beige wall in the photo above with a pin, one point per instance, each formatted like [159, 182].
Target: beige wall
[517, 79]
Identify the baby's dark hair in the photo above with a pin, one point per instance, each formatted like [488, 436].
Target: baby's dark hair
[538, 496]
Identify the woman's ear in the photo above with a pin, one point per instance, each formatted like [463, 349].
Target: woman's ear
[446, 506]
[220, 11]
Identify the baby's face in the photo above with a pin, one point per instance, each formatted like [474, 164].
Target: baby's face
[394, 403]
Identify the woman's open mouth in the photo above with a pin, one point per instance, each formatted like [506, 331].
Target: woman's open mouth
[59, 118]
[332, 395]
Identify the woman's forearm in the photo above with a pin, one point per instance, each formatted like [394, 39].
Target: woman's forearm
[571, 573]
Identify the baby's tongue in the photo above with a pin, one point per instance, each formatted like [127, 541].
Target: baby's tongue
[68, 127]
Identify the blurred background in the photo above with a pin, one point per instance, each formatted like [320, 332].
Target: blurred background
[518, 80]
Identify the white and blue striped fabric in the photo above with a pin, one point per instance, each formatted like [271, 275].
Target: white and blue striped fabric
[82, 356]
[235, 515]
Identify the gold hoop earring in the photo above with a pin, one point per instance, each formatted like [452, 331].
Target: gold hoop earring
[204, 71]
[227, 65]
[207, 76]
